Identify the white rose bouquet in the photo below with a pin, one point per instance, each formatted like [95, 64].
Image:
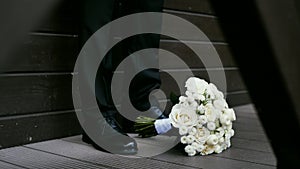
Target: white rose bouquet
[202, 117]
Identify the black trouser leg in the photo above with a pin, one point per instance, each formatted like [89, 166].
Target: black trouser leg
[98, 13]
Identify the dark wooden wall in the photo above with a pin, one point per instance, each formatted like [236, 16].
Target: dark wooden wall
[35, 79]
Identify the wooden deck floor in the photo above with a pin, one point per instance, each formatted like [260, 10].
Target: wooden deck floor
[250, 149]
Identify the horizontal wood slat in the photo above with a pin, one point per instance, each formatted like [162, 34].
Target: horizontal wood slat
[54, 53]
[190, 58]
[22, 94]
[206, 24]
[21, 130]
[62, 19]
[199, 6]
[43, 52]
[5, 165]
[236, 99]
[177, 156]
[252, 145]
[35, 93]
[247, 155]
[67, 22]
[65, 17]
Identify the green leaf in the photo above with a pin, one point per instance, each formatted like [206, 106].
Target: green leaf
[144, 126]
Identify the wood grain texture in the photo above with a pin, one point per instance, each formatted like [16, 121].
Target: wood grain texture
[35, 159]
[5, 165]
[37, 127]
[62, 19]
[209, 25]
[177, 156]
[35, 93]
[71, 152]
[199, 6]
[89, 155]
[65, 17]
[250, 156]
[238, 98]
[251, 145]
[190, 58]
[56, 53]
[67, 22]
[31, 93]
[43, 52]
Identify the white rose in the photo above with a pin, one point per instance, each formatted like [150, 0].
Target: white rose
[197, 96]
[193, 131]
[211, 126]
[216, 92]
[199, 124]
[182, 99]
[230, 113]
[190, 139]
[225, 120]
[183, 140]
[201, 135]
[223, 146]
[227, 136]
[196, 85]
[220, 132]
[189, 94]
[220, 104]
[198, 147]
[190, 99]
[183, 130]
[221, 140]
[183, 117]
[227, 143]
[228, 127]
[210, 113]
[209, 105]
[209, 94]
[190, 150]
[208, 150]
[201, 109]
[218, 149]
[230, 133]
[184, 104]
[193, 153]
[212, 140]
[218, 113]
[194, 105]
[203, 119]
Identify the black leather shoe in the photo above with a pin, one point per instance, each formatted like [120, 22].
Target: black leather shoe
[122, 149]
[123, 146]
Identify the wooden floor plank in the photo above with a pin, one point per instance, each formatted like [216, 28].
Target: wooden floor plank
[249, 156]
[251, 145]
[251, 135]
[33, 159]
[249, 121]
[4, 165]
[240, 126]
[89, 154]
[250, 149]
[208, 162]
